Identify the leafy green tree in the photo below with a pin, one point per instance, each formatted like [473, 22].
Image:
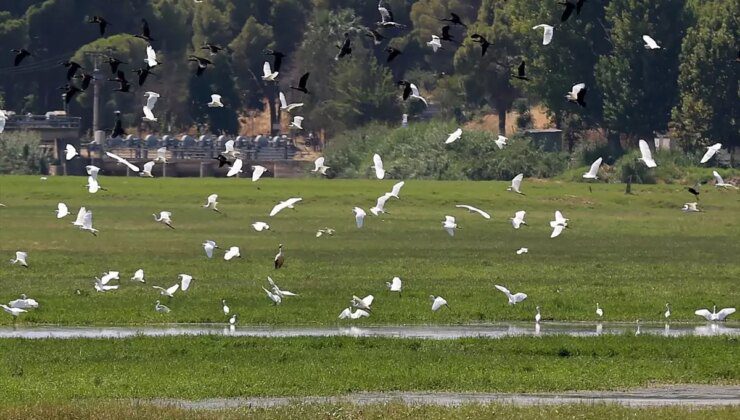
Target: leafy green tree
[639, 86]
[708, 109]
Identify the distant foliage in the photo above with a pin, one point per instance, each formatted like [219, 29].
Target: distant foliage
[419, 152]
[20, 154]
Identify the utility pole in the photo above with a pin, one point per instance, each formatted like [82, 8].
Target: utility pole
[97, 84]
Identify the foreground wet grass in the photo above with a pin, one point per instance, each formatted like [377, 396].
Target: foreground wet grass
[113, 410]
[207, 366]
[630, 253]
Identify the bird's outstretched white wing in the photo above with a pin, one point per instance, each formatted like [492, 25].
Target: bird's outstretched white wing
[397, 189]
[148, 114]
[704, 313]
[516, 183]
[557, 229]
[724, 313]
[646, 154]
[185, 281]
[359, 216]
[503, 289]
[151, 100]
[283, 102]
[474, 210]
[123, 161]
[70, 152]
[236, 167]
[594, 170]
[438, 303]
[266, 70]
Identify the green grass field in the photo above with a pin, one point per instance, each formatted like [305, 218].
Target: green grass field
[632, 254]
[210, 366]
[384, 411]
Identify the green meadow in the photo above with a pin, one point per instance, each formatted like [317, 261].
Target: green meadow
[630, 253]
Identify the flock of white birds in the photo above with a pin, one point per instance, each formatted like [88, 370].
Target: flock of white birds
[359, 307]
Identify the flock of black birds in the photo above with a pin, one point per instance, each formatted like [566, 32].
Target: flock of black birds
[77, 71]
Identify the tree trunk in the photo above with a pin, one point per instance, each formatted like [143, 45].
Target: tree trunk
[274, 117]
[502, 121]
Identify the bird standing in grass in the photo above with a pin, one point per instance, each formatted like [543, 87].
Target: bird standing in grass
[279, 257]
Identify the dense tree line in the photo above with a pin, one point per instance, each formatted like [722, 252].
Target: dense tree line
[689, 86]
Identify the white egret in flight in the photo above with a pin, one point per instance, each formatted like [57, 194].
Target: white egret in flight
[62, 210]
[449, 225]
[147, 171]
[454, 136]
[711, 150]
[416, 95]
[472, 209]
[378, 166]
[518, 220]
[359, 216]
[267, 74]
[646, 156]
[395, 285]
[285, 106]
[516, 184]
[260, 226]
[513, 298]
[319, 166]
[363, 303]
[275, 298]
[594, 170]
[257, 172]
[438, 302]
[547, 32]
[215, 101]
[690, 207]
[165, 217]
[276, 290]
[287, 204]
[435, 43]
[232, 252]
[380, 204]
[151, 57]
[397, 189]
[714, 315]
[70, 152]
[501, 141]
[212, 203]
[236, 168]
[297, 123]
[87, 223]
[169, 292]
[139, 276]
[650, 43]
[230, 150]
[521, 251]
[148, 109]
[348, 314]
[209, 246]
[720, 183]
[558, 224]
[577, 94]
[20, 258]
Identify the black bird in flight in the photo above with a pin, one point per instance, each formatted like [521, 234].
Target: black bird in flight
[124, 85]
[521, 72]
[302, 84]
[118, 127]
[392, 53]
[484, 44]
[446, 35]
[568, 10]
[114, 63]
[213, 49]
[70, 90]
[406, 88]
[145, 32]
[143, 73]
[278, 59]
[376, 36]
[345, 49]
[455, 20]
[86, 79]
[72, 68]
[203, 64]
[102, 23]
[20, 54]
[222, 160]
